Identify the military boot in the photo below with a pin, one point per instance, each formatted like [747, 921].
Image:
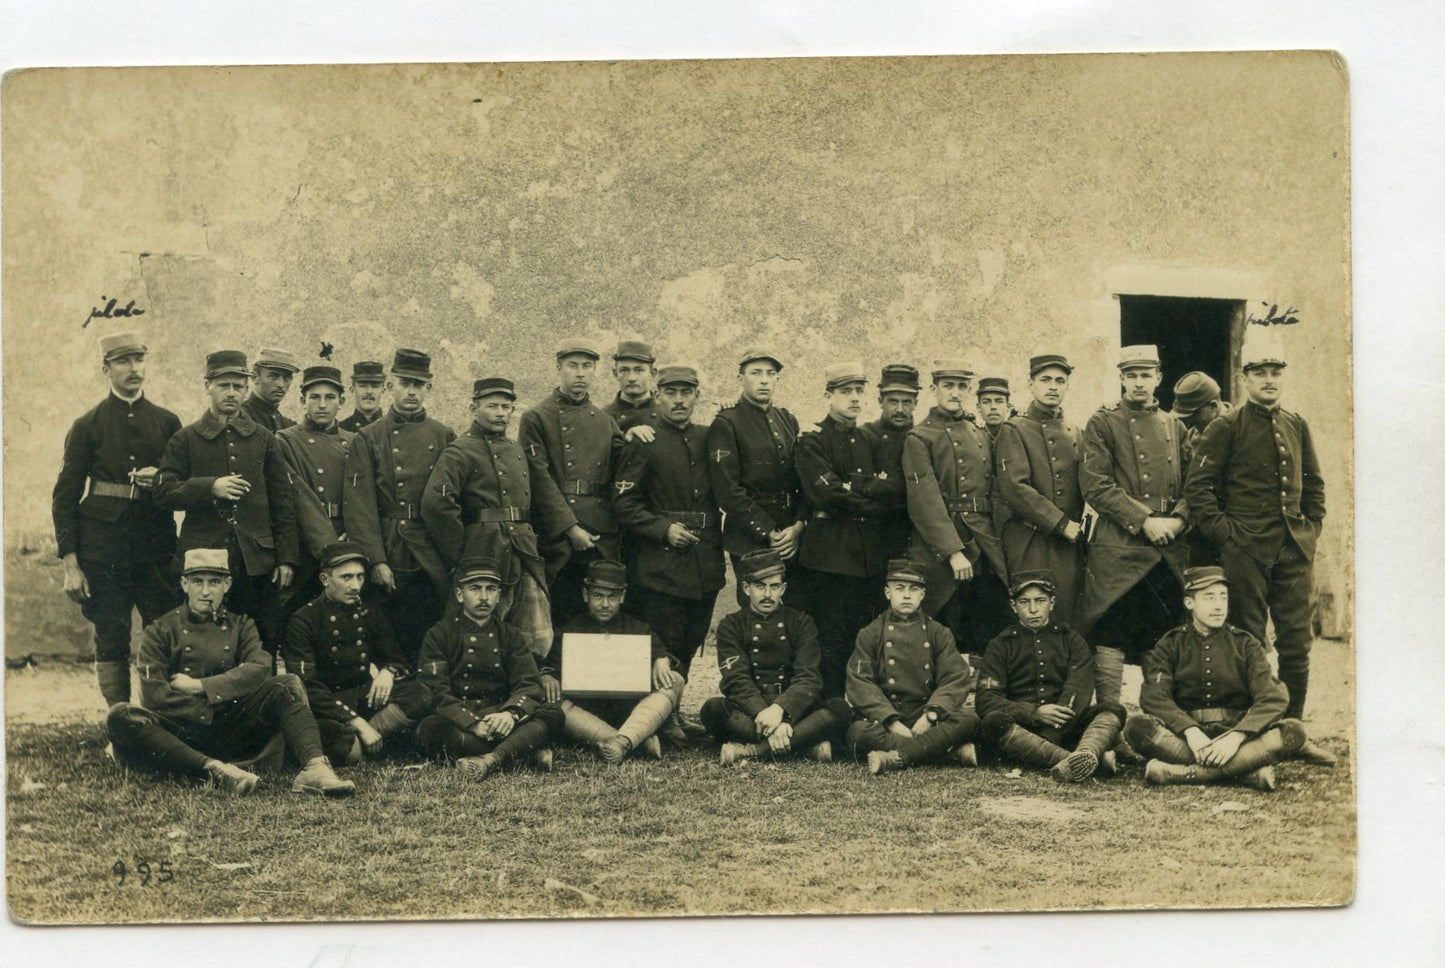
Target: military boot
[1108, 674]
[113, 675]
[390, 719]
[614, 749]
[1315, 754]
[881, 761]
[232, 779]
[732, 754]
[1159, 773]
[966, 754]
[1098, 739]
[1030, 749]
[317, 776]
[1153, 739]
[1268, 748]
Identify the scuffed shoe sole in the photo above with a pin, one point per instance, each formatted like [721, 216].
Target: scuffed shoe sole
[1077, 767]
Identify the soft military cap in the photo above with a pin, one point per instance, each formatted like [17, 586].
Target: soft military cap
[898, 378]
[321, 374]
[120, 344]
[844, 374]
[368, 371]
[1202, 577]
[1045, 360]
[489, 385]
[207, 561]
[277, 359]
[578, 347]
[952, 368]
[906, 569]
[760, 353]
[412, 364]
[760, 564]
[677, 373]
[606, 574]
[1193, 391]
[1042, 577]
[340, 552]
[993, 384]
[1144, 354]
[472, 568]
[634, 349]
[224, 362]
[1262, 347]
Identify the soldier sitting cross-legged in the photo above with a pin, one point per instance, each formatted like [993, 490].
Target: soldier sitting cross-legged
[769, 658]
[209, 697]
[1034, 687]
[907, 683]
[347, 655]
[1213, 711]
[483, 679]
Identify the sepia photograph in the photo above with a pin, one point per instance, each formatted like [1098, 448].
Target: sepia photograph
[655, 488]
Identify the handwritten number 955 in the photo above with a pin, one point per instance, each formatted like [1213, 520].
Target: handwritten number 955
[161, 873]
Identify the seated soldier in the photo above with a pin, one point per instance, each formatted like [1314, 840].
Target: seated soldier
[768, 655]
[483, 681]
[334, 642]
[208, 696]
[591, 721]
[907, 683]
[1213, 710]
[1034, 687]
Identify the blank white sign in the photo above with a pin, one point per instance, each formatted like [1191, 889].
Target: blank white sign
[606, 666]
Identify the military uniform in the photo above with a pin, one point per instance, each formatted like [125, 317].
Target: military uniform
[259, 530]
[659, 484]
[1037, 460]
[629, 414]
[948, 470]
[123, 541]
[370, 373]
[357, 420]
[472, 670]
[387, 471]
[317, 459]
[266, 414]
[750, 454]
[1254, 489]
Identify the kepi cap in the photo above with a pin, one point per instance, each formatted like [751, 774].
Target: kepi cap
[368, 371]
[489, 385]
[340, 552]
[321, 374]
[760, 353]
[677, 373]
[120, 344]
[898, 378]
[224, 362]
[760, 564]
[1042, 577]
[1202, 577]
[952, 368]
[993, 384]
[412, 364]
[1262, 347]
[634, 349]
[843, 374]
[1045, 360]
[578, 347]
[472, 568]
[1194, 390]
[277, 359]
[207, 561]
[906, 569]
[1142, 354]
[606, 574]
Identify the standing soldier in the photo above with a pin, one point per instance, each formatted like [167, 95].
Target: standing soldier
[1038, 478]
[898, 390]
[994, 408]
[632, 364]
[478, 503]
[948, 470]
[1266, 543]
[1134, 462]
[368, 381]
[271, 379]
[1197, 402]
[664, 500]
[115, 542]
[316, 450]
[750, 453]
[571, 445]
[386, 475]
[843, 547]
[226, 472]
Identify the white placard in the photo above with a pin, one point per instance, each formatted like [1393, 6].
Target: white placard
[599, 665]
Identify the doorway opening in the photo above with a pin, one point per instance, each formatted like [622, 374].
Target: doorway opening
[1192, 334]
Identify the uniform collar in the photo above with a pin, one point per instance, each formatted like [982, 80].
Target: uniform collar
[265, 406]
[833, 422]
[743, 401]
[626, 404]
[307, 423]
[210, 425]
[408, 418]
[1260, 408]
[567, 401]
[895, 617]
[479, 431]
[1151, 406]
[884, 427]
[1037, 411]
[943, 416]
[665, 424]
[122, 401]
[1020, 628]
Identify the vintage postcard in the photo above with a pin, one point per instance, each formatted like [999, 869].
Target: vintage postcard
[336, 396]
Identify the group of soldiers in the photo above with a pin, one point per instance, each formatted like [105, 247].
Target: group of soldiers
[958, 586]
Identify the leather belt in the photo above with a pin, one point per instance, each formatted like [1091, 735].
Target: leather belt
[494, 515]
[333, 510]
[776, 498]
[405, 512]
[699, 520]
[586, 488]
[1214, 714]
[841, 517]
[106, 489]
[957, 504]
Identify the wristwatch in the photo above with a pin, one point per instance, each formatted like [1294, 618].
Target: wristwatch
[932, 715]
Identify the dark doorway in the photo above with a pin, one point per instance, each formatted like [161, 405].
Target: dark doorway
[1192, 334]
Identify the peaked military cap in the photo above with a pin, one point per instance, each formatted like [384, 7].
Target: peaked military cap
[412, 364]
[634, 349]
[760, 564]
[952, 368]
[223, 362]
[207, 561]
[472, 568]
[1143, 354]
[1202, 577]
[898, 378]
[277, 359]
[321, 374]
[120, 344]
[578, 347]
[906, 569]
[1262, 347]
[993, 384]
[1194, 390]
[760, 353]
[368, 371]
[843, 374]
[1045, 360]
[489, 385]
[677, 373]
[606, 574]
[340, 552]
[1042, 577]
